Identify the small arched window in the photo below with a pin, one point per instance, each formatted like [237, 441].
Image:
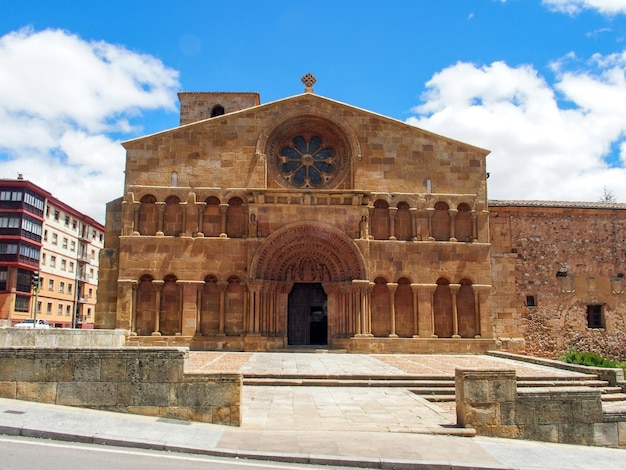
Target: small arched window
[217, 110]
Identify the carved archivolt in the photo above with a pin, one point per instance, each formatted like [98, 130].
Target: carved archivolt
[308, 252]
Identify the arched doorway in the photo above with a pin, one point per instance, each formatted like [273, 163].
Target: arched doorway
[307, 316]
[302, 285]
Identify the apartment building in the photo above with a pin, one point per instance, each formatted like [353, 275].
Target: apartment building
[40, 233]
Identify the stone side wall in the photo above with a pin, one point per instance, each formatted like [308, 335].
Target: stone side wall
[587, 245]
[146, 381]
[489, 401]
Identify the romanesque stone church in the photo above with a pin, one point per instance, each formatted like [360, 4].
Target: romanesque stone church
[306, 222]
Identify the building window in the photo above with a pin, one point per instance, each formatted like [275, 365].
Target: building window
[63, 265]
[101, 237]
[45, 235]
[69, 288]
[531, 301]
[54, 239]
[89, 312]
[64, 245]
[90, 292]
[53, 261]
[67, 221]
[73, 224]
[43, 259]
[50, 284]
[73, 245]
[61, 286]
[49, 308]
[38, 307]
[595, 319]
[3, 278]
[60, 309]
[67, 310]
[56, 215]
[71, 268]
[21, 303]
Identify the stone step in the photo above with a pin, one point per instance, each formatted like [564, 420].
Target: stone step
[550, 382]
[613, 396]
[345, 382]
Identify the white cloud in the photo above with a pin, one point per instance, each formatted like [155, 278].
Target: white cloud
[62, 101]
[573, 7]
[548, 142]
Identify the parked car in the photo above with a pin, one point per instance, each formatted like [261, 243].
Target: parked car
[30, 323]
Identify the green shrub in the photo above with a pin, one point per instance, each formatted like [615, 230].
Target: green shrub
[588, 359]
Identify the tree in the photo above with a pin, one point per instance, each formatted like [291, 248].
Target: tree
[607, 195]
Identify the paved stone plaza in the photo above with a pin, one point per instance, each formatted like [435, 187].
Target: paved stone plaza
[356, 408]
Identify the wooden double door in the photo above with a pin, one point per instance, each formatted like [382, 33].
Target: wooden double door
[307, 315]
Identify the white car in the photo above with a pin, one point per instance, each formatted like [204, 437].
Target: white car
[30, 323]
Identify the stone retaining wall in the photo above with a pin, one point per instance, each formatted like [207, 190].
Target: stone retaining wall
[489, 401]
[61, 338]
[146, 381]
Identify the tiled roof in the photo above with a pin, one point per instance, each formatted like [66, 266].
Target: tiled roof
[558, 204]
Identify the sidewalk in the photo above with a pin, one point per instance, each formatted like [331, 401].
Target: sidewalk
[359, 449]
[375, 427]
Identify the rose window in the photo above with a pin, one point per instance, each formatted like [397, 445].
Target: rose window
[306, 163]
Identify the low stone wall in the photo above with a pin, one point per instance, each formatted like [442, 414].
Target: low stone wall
[373, 345]
[489, 401]
[146, 381]
[61, 338]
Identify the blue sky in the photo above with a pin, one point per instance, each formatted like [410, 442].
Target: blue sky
[539, 83]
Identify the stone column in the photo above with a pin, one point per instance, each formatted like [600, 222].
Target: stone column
[393, 211]
[482, 295]
[349, 311]
[430, 212]
[160, 206]
[368, 307]
[158, 285]
[246, 307]
[474, 226]
[477, 311]
[454, 290]
[392, 286]
[414, 291]
[200, 206]
[186, 231]
[413, 214]
[199, 288]
[359, 287]
[133, 303]
[452, 214]
[255, 306]
[222, 285]
[136, 212]
[223, 213]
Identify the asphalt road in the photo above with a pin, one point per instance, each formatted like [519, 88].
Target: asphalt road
[17, 453]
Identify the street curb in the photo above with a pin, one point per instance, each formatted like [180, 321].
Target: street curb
[285, 457]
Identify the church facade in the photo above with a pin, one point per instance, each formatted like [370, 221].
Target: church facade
[308, 222]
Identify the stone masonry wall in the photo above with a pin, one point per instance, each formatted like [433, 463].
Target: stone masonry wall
[489, 401]
[587, 247]
[146, 381]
